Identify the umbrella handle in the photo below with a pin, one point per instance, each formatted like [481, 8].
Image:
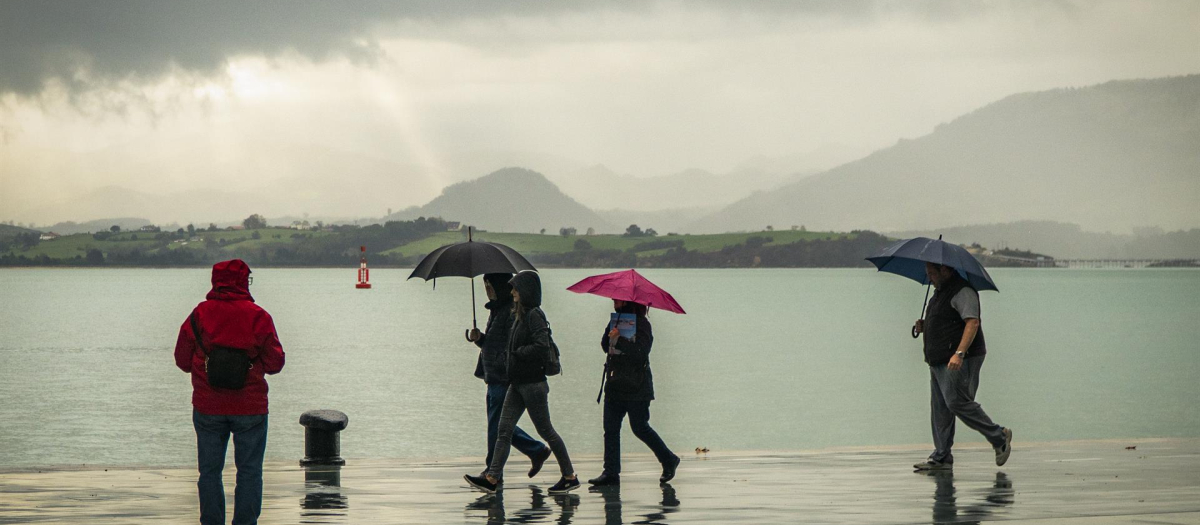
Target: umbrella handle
[915, 333]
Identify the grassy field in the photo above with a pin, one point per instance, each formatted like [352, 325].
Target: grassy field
[532, 243]
[69, 246]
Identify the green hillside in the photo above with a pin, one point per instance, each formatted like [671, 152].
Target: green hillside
[535, 244]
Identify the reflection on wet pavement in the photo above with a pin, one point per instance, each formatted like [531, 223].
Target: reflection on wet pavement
[948, 508]
[323, 500]
[1158, 482]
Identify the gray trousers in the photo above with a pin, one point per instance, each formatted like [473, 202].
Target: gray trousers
[533, 397]
[952, 393]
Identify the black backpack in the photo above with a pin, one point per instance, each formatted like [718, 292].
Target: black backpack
[553, 364]
[226, 367]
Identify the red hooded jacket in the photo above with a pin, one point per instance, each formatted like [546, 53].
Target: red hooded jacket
[230, 318]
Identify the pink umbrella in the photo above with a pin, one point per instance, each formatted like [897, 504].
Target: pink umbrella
[628, 286]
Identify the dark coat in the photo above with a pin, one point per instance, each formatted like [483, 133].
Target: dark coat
[529, 340]
[634, 354]
[492, 365]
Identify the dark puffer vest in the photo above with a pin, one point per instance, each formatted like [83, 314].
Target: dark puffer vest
[944, 326]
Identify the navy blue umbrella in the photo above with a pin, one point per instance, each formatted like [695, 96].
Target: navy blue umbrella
[908, 258]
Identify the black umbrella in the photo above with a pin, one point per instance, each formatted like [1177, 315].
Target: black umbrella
[470, 259]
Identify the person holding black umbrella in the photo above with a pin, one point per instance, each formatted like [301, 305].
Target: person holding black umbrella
[492, 368]
[529, 349]
[955, 349]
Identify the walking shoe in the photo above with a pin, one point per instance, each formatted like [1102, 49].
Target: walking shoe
[538, 460]
[669, 470]
[564, 485]
[932, 464]
[482, 483]
[1004, 450]
[605, 479]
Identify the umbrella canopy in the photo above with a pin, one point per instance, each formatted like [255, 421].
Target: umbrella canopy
[628, 286]
[908, 258]
[470, 259]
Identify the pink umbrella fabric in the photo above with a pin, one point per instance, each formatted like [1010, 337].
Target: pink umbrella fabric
[628, 285]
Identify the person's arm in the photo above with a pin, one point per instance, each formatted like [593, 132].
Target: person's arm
[270, 350]
[185, 346]
[966, 303]
[539, 334]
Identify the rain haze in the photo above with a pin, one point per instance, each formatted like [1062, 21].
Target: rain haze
[199, 112]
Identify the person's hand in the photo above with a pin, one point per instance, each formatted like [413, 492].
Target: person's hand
[919, 326]
[474, 335]
[955, 363]
[614, 334]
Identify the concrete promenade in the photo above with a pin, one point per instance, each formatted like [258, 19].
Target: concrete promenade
[1085, 482]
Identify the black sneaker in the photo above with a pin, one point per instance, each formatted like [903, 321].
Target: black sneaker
[605, 479]
[1003, 451]
[482, 483]
[564, 485]
[538, 460]
[932, 464]
[669, 470]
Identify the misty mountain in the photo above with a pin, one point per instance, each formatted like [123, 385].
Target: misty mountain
[601, 188]
[1112, 157]
[663, 221]
[1069, 241]
[98, 225]
[509, 200]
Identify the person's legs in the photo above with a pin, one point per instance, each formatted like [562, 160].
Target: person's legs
[212, 439]
[522, 441]
[959, 390]
[614, 413]
[249, 446]
[537, 400]
[940, 417]
[514, 406]
[639, 422]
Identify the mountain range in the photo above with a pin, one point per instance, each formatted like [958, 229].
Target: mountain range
[1108, 157]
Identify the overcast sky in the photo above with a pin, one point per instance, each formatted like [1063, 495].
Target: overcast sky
[166, 97]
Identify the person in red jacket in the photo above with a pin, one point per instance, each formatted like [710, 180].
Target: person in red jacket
[229, 318]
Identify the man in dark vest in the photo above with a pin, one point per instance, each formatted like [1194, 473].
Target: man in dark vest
[954, 351]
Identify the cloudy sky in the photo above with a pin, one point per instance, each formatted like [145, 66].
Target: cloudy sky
[288, 100]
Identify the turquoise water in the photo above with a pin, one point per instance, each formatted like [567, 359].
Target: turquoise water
[764, 359]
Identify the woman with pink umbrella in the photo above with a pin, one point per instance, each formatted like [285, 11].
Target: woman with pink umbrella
[628, 384]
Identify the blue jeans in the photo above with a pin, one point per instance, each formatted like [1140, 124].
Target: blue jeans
[522, 441]
[249, 446]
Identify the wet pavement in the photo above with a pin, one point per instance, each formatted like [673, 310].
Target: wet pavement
[1051, 483]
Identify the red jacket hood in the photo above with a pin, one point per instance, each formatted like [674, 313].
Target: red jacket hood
[230, 281]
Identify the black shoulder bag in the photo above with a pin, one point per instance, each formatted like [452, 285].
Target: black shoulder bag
[226, 367]
[553, 364]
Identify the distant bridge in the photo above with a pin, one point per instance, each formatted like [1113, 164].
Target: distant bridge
[1124, 263]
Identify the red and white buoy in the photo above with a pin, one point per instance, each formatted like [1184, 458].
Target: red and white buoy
[364, 274]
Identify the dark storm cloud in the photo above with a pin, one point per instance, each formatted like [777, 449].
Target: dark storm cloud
[85, 42]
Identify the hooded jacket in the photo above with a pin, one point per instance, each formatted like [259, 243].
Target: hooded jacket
[529, 341]
[634, 354]
[492, 365]
[229, 317]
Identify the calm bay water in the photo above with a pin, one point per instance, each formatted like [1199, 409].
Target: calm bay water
[765, 359]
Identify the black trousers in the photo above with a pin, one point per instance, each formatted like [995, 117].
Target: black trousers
[639, 421]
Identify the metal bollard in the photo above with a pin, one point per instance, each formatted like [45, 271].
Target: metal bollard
[322, 443]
